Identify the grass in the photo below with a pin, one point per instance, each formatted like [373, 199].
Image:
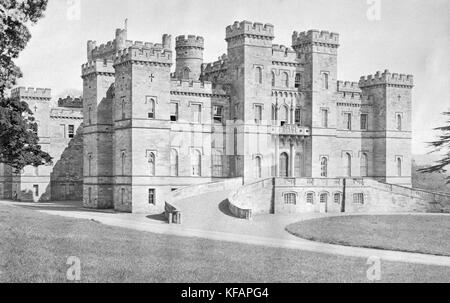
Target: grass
[426, 234]
[34, 247]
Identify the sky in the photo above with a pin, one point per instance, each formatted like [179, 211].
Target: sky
[404, 36]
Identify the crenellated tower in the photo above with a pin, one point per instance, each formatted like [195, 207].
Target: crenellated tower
[189, 57]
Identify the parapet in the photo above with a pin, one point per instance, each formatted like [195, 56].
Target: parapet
[70, 102]
[144, 52]
[31, 93]
[283, 53]
[387, 78]
[189, 41]
[348, 87]
[100, 52]
[216, 66]
[256, 29]
[102, 66]
[315, 36]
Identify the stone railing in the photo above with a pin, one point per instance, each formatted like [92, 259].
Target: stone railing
[173, 213]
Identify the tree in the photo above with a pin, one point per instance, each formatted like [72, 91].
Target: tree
[442, 144]
[18, 132]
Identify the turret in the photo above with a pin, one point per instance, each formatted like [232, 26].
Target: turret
[167, 41]
[189, 57]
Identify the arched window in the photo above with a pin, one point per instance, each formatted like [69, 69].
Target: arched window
[323, 198]
[399, 167]
[258, 75]
[284, 119]
[258, 167]
[217, 163]
[89, 164]
[399, 122]
[196, 163]
[274, 114]
[364, 165]
[273, 78]
[173, 162]
[284, 165]
[186, 72]
[89, 115]
[285, 79]
[310, 198]
[325, 80]
[337, 198]
[298, 79]
[151, 164]
[123, 108]
[123, 158]
[324, 167]
[348, 164]
[151, 107]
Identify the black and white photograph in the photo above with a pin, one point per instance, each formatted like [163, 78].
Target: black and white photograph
[208, 142]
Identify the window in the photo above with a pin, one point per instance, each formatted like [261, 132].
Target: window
[323, 198]
[122, 195]
[324, 116]
[337, 198]
[196, 163]
[258, 167]
[290, 198]
[324, 167]
[89, 164]
[151, 164]
[186, 72]
[63, 130]
[299, 165]
[151, 108]
[258, 114]
[217, 113]
[284, 115]
[285, 79]
[71, 131]
[310, 198]
[298, 79]
[284, 165]
[325, 80]
[90, 194]
[364, 165]
[36, 190]
[273, 78]
[348, 164]
[348, 121]
[364, 122]
[123, 108]
[217, 164]
[123, 158]
[196, 113]
[89, 115]
[358, 198]
[173, 162]
[274, 114]
[399, 122]
[173, 112]
[258, 75]
[151, 196]
[399, 167]
[298, 116]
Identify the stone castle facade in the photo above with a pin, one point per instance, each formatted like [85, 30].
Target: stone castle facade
[262, 110]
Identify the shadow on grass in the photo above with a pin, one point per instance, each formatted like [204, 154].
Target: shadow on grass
[68, 206]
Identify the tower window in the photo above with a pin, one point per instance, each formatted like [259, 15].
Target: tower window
[364, 165]
[285, 79]
[258, 167]
[298, 79]
[298, 116]
[71, 131]
[348, 165]
[151, 164]
[123, 108]
[89, 115]
[36, 189]
[258, 113]
[325, 80]
[324, 116]
[196, 113]
[399, 167]
[364, 122]
[399, 122]
[274, 114]
[151, 107]
[151, 196]
[186, 72]
[258, 75]
[217, 113]
[348, 121]
[174, 112]
[273, 78]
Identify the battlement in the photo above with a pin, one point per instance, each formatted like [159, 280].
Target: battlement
[256, 29]
[102, 51]
[189, 41]
[31, 93]
[283, 53]
[98, 66]
[70, 102]
[315, 36]
[386, 78]
[146, 52]
[347, 86]
[216, 65]
[198, 86]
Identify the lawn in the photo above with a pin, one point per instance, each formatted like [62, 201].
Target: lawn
[427, 234]
[34, 247]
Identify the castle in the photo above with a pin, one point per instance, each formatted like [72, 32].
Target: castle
[262, 110]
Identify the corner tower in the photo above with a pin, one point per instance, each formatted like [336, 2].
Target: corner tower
[189, 57]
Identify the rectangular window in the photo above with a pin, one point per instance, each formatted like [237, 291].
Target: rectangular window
[290, 198]
[363, 121]
[310, 198]
[36, 189]
[358, 198]
[71, 131]
[196, 113]
[348, 121]
[298, 116]
[258, 114]
[151, 196]
[217, 113]
[337, 198]
[325, 80]
[324, 115]
[123, 108]
[173, 112]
